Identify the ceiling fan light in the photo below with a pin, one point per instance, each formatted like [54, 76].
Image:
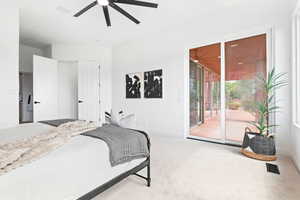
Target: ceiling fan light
[103, 2]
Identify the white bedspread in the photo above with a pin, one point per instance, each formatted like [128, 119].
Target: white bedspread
[66, 173]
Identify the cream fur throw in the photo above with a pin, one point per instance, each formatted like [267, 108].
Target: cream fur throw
[17, 153]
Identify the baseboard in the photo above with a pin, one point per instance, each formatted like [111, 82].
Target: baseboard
[297, 164]
[295, 140]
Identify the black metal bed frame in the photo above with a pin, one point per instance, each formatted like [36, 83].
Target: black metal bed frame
[121, 177]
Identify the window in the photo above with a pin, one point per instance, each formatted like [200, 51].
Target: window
[296, 70]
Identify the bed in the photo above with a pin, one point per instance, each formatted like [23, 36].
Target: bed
[82, 169]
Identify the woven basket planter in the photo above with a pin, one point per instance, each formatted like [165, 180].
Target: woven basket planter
[258, 147]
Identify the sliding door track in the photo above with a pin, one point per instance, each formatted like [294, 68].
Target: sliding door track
[214, 142]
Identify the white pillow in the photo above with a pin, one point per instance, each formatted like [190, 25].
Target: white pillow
[115, 119]
[120, 119]
[112, 118]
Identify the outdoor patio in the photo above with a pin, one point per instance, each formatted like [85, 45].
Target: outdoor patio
[236, 122]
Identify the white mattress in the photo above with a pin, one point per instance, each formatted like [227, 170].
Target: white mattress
[64, 174]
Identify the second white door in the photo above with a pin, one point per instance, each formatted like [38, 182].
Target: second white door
[89, 91]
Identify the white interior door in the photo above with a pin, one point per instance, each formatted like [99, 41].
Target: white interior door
[89, 91]
[45, 88]
[67, 89]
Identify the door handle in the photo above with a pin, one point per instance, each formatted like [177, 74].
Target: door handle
[80, 101]
[36, 102]
[29, 99]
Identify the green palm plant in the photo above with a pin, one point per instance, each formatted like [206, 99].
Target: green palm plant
[268, 106]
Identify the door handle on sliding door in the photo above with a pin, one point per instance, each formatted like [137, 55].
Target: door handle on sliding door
[80, 101]
[36, 102]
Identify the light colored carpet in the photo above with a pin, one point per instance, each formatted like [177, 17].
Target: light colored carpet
[193, 170]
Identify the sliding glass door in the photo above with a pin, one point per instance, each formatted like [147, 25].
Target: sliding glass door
[230, 68]
[205, 63]
[245, 62]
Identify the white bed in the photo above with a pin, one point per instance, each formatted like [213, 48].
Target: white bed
[64, 174]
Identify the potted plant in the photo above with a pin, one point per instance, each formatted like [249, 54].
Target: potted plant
[261, 144]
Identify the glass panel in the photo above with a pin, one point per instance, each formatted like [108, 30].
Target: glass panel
[205, 103]
[245, 61]
[194, 94]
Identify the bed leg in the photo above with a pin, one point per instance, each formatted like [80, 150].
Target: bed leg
[148, 175]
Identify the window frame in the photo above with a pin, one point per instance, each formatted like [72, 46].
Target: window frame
[295, 68]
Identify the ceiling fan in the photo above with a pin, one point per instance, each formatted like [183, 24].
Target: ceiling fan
[113, 4]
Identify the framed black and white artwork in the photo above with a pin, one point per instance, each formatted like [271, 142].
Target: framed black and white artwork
[153, 83]
[134, 83]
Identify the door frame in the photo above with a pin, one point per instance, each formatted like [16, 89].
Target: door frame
[269, 31]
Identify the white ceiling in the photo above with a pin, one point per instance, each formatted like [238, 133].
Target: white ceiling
[48, 22]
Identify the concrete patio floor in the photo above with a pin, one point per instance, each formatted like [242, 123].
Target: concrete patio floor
[236, 122]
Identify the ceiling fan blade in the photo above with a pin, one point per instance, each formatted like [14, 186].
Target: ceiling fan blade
[116, 7]
[86, 9]
[137, 3]
[106, 14]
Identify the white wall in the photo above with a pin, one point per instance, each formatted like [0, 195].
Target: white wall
[9, 63]
[167, 50]
[156, 116]
[26, 57]
[48, 51]
[283, 64]
[90, 53]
